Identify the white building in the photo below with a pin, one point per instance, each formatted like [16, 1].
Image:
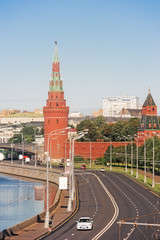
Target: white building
[19, 120]
[113, 105]
[75, 115]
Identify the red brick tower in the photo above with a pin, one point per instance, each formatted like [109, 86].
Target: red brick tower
[149, 125]
[55, 115]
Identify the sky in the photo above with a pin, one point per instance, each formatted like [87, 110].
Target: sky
[106, 48]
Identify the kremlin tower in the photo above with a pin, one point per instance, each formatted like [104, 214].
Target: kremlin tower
[55, 115]
[149, 125]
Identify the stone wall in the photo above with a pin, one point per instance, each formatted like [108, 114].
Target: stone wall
[38, 173]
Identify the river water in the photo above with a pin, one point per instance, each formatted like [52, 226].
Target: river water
[19, 200]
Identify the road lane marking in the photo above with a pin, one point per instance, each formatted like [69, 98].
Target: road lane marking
[116, 212]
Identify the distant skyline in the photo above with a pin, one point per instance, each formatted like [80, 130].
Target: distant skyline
[106, 48]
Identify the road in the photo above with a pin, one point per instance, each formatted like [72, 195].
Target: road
[131, 203]
[134, 202]
[95, 203]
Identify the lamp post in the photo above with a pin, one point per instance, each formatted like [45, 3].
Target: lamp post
[69, 209]
[110, 151]
[131, 156]
[145, 179]
[137, 157]
[90, 152]
[125, 155]
[124, 138]
[110, 155]
[72, 139]
[65, 150]
[22, 148]
[58, 145]
[153, 183]
[144, 160]
[12, 149]
[35, 155]
[46, 223]
[50, 150]
[80, 135]
[137, 162]
[90, 161]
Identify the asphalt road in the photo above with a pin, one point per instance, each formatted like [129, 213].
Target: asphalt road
[95, 203]
[134, 202]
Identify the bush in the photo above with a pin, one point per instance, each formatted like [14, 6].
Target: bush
[78, 159]
[99, 161]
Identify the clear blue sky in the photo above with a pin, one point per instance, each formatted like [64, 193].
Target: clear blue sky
[106, 48]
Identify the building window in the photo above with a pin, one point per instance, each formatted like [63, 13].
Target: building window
[57, 121]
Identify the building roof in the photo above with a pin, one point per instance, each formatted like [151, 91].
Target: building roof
[149, 101]
[131, 112]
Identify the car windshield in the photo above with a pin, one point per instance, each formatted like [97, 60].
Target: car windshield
[84, 220]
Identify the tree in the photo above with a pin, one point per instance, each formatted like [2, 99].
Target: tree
[93, 133]
[28, 134]
[107, 131]
[117, 131]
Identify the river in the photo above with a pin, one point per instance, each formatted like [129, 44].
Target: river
[19, 199]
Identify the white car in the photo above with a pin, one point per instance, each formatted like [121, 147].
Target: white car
[102, 170]
[84, 223]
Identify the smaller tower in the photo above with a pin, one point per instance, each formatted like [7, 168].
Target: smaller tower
[149, 125]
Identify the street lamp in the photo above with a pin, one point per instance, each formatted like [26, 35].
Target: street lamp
[80, 135]
[35, 156]
[50, 150]
[144, 158]
[65, 150]
[110, 152]
[90, 161]
[71, 177]
[12, 149]
[137, 156]
[125, 154]
[131, 154]
[22, 148]
[46, 223]
[153, 183]
[110, 155]
[69, 209]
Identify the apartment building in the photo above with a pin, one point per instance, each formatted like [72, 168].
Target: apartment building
[113, 105]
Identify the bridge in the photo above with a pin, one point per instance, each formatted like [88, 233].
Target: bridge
[30, 149]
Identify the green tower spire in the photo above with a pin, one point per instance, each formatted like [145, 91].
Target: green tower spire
[55, 83]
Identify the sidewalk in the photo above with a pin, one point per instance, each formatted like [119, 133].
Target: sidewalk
[34, 231]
